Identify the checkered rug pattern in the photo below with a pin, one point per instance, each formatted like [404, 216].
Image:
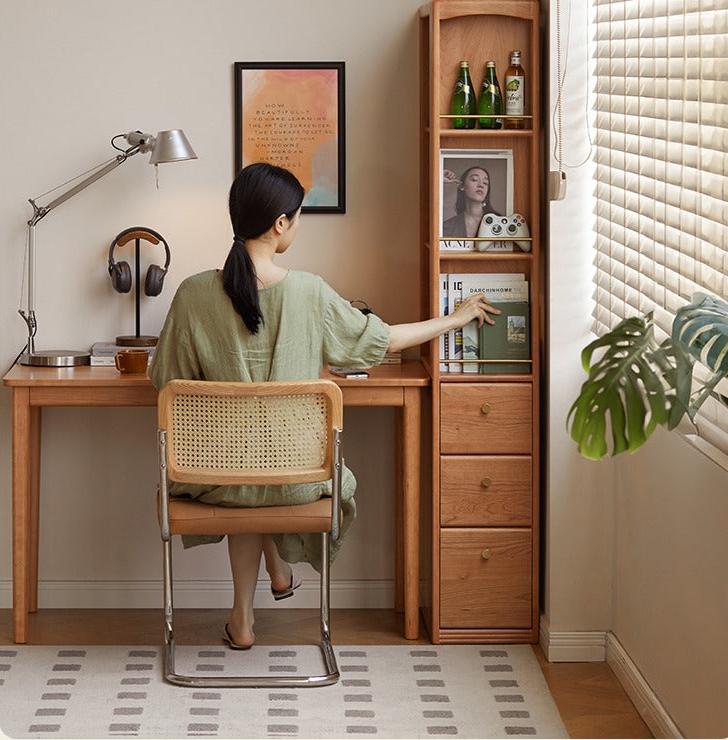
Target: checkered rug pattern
[397, 691]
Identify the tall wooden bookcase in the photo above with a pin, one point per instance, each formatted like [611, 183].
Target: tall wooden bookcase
[481, 524]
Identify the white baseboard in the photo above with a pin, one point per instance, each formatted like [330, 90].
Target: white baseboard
[643, 697]
[572, 647]
[345, 594]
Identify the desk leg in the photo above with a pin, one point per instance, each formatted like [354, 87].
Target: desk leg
[411, 511]
[398, 504]
[35, 436]
[21, 509]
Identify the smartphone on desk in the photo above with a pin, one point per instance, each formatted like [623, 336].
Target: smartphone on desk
[348, 372]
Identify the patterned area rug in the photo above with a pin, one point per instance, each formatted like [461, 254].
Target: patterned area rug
[467, 691]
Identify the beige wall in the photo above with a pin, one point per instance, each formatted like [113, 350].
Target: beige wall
[578, 496]
[77, 73]
[637, 545]
[670, 584]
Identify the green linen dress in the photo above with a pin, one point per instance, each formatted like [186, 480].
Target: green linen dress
[306, 325]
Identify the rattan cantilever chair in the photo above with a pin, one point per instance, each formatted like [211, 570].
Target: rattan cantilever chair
[249, 433]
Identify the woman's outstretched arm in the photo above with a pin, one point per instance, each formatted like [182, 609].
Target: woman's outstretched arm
[472, 308]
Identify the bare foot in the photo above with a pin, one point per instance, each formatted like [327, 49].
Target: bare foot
[241, 630]
[280, 578]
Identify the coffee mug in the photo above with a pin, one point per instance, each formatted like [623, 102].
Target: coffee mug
[131, 360]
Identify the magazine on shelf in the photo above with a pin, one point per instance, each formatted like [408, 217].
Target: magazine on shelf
[392, 358]
[508, 339]
[472, 178]
[497, 288]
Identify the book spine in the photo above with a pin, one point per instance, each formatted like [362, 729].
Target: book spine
[454, 299]
[444, 337]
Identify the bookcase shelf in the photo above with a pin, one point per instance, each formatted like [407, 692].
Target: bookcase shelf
[486, 257]
[494, 378]
[484, 133]
[484, 423]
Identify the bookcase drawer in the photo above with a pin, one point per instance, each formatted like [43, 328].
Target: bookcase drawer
[485, 417]
[485, 578]
[485, 491]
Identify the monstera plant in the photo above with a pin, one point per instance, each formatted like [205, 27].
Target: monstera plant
[642, 384]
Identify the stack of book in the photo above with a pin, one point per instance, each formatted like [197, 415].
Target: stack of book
[392, 358]
[506, 345]
[103, 353]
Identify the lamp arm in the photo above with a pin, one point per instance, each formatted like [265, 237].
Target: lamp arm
[40, 212]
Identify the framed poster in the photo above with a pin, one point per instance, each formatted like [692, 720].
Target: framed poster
[291, 114]
[472, 183]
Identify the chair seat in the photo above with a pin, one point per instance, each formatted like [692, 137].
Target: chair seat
[195, 517]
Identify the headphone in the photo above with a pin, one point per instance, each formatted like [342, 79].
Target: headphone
[120, 272]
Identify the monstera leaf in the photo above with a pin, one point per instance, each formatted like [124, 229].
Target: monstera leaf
[701, 329]
[637, 382]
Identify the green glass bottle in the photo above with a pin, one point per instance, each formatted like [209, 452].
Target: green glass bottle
[463, 99]
[490, 102]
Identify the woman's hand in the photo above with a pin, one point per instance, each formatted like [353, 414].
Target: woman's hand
[474, 307]
[450, 176]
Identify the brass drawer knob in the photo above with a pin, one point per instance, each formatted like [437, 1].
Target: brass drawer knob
[485, 554]
[486, 482]
[485, 409]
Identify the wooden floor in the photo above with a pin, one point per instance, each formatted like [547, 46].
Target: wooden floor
[591, 701]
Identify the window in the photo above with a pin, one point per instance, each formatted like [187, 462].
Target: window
[661, 79]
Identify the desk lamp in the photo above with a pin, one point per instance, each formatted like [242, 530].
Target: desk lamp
[166, 146]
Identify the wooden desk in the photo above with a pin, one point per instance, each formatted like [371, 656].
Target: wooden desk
[34, 387]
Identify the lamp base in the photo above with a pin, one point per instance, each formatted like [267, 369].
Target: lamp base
[134, 341]
[55, 358]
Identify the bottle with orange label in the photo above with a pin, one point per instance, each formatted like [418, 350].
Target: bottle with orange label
[515, 92]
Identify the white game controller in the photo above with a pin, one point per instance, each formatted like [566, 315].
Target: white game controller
[508, 227]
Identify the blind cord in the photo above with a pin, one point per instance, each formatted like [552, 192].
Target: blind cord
[556, 118]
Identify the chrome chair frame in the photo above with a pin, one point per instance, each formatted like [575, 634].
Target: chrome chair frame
[331, 675]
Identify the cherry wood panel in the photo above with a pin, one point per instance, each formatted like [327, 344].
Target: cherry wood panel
[486, 578]
[480, 262]
[480, 30]
[455, 8]
[486, 418]
[485, 491]
[408, 372]
[478, 39]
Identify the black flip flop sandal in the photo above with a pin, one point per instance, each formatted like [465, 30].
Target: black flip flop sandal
[287, 592]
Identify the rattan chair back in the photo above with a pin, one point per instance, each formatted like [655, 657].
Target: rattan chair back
[250, 433]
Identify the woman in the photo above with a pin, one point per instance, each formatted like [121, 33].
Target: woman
[471, 203]
[255, 321]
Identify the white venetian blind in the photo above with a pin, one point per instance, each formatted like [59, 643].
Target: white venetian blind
[661, 162]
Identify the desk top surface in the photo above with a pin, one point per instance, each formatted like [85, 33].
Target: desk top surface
[409, 373]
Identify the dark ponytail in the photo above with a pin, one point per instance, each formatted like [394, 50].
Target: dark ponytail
[259, 195]
[238, 279]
